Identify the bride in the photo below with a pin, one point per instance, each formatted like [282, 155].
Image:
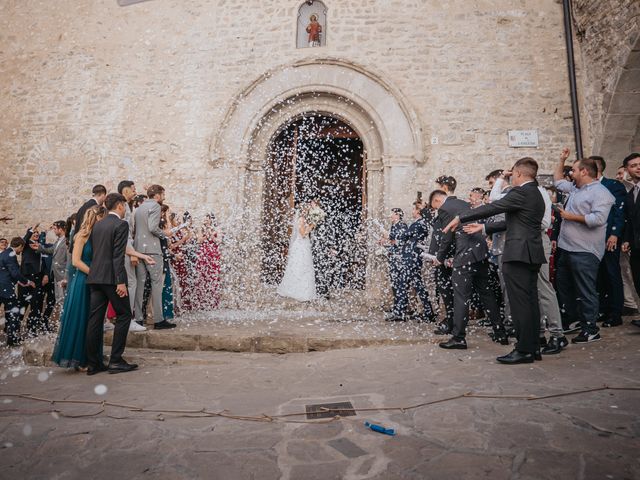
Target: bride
[299, 280]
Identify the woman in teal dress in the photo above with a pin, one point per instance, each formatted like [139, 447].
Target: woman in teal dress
[69, 351]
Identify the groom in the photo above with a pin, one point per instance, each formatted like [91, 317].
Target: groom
[107, 281]
[321, 244]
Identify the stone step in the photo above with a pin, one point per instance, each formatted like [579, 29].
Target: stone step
[269, 343]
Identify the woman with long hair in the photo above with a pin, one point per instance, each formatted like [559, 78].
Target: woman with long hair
[69, 351]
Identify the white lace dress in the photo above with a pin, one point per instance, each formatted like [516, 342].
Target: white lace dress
[299, 280]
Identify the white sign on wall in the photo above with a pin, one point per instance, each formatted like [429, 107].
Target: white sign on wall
[523, 138]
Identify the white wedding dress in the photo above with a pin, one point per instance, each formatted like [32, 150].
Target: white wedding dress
[299, 280]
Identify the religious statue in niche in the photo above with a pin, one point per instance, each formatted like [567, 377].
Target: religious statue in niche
[314, 29]
[312, 24]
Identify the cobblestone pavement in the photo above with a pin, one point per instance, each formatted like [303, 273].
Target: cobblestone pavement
[587, 436]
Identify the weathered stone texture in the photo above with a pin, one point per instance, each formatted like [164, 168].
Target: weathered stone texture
[92, 92]
[608, 34]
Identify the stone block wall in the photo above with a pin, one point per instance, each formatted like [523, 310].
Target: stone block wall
[93, 93]
[607, 31]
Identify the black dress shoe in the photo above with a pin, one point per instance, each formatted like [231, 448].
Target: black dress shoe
[626, 311]
[537, 355]
[121, 367]
[164, 325]
[454, 344]
[442, 329]
[501, 338]
[428, 318]
[516, 357]
[555, 345]
[98, 369]
[611, 322]
[635, 323]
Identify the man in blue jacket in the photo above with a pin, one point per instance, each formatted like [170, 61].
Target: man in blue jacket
[411, 272]
[10, 275]
[610, 285]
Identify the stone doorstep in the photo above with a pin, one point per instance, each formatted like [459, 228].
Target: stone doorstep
[165, 348]
[267, 343]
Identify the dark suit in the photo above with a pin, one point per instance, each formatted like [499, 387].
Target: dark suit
[442, 272]
[395, 255]
[631, 234]
[322, 241]
[470, 271]
[522, 257]
[610, 285]
[34, 269]
[9, 275]
[411, 272]
[109, 241]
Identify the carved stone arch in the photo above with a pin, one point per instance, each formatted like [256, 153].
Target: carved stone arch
[395, 121]
[387, 126]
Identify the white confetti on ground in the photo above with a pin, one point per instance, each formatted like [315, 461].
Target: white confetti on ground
[100, 389]
[43, 376]
[27, 430]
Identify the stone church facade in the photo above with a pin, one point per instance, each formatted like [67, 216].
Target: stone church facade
[191, 93]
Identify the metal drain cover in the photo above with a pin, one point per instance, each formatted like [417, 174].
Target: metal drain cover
[344, 409]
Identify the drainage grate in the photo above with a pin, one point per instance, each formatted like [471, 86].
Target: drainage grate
[344, 409]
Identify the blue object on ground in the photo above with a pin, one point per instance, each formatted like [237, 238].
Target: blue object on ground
[380, 428]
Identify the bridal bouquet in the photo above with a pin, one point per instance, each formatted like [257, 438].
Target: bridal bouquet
[315, 216]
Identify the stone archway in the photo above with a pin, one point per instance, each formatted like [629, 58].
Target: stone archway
[387, 126]
[621, 134]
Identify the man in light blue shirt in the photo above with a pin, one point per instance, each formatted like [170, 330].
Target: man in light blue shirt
[581, 243]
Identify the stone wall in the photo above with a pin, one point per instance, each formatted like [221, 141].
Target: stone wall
[91, 92]
[607, 33]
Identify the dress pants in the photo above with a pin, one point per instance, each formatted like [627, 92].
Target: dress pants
[610, 286]
[444, 288]
[576, 279]
[411, 276]
[522, 289]
[156, 272]
[548, 299]
[132, 282]
[395, 272]
[505, 299]
[12, 319]
[49, 302]
[630, 295]
[101, 296]
[465, 278]
[32, 297]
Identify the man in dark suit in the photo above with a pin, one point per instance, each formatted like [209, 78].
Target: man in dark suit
[523, 254]
[322, 243]
[10, 275]
[610, 285]
[34, 268]
[470, 270]
[443, 271]
[411, 272]
[394, 248]
[632, 220]
[99, 193]
[107, 281]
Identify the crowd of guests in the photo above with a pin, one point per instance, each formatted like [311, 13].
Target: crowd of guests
[527, 258]
[158, 263]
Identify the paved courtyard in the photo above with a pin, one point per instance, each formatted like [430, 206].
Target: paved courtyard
[585, 436]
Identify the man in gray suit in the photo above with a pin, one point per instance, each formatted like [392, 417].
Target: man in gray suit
[59, 260]
[147, 240]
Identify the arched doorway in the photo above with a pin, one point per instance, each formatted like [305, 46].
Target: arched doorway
[316, 157]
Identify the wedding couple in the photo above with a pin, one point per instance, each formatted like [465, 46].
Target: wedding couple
[308, 267]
